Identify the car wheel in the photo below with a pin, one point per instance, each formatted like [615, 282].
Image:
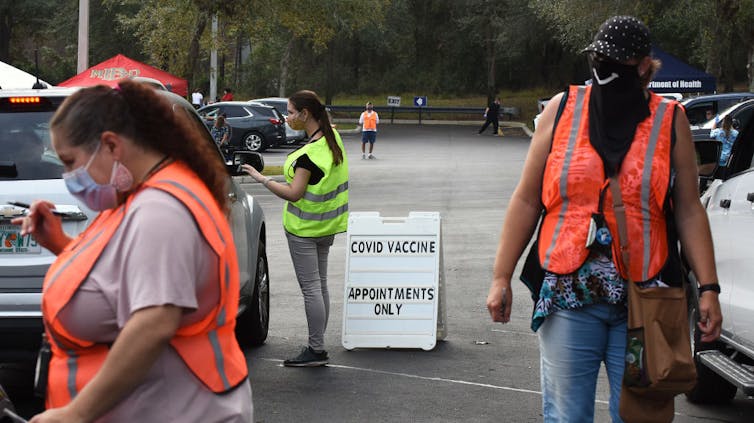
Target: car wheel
[710, 387]
[254, 141]
[253, 324]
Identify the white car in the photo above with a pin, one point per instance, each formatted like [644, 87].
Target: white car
[281, 105]
[727, 365]
[30, 170]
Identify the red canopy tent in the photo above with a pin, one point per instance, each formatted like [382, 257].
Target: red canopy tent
[120, 66]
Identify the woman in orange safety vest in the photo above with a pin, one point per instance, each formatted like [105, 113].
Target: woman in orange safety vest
[140, 308]
[613, 127]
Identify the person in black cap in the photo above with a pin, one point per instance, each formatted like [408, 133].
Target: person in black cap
[613, 127]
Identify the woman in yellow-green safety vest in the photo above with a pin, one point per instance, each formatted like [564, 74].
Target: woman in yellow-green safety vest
[316, 190]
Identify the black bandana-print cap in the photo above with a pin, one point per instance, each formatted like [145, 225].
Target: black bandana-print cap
[621, 38]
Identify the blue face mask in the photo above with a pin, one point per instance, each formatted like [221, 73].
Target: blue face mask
[96, 196]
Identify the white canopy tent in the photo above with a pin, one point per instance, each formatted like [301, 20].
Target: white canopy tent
[12, 77]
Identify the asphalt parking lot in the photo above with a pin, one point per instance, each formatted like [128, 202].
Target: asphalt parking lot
[482, 372]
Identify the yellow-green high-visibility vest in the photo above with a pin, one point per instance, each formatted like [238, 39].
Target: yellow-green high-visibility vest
[323, 210]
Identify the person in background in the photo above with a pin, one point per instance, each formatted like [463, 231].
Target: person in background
[368, 121]
[491, 115]
[140, 333]
[227, 95]
[220, 132]
[726, 135]
[709, 115]
[197, 99]
[316, 208]
[608, 128]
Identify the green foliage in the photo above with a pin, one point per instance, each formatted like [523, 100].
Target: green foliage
[355, 48]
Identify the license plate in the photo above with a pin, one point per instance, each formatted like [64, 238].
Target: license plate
[11, 241]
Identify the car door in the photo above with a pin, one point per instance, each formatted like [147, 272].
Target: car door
[739, 262]
[718, 213]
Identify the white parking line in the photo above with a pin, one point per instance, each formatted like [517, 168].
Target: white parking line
[514, 331]
[439, 379]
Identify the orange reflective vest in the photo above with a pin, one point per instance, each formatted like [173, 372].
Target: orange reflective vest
[208, 347]
[370, 121]
[574, 178]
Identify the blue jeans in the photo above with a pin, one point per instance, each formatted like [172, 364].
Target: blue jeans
[573, 344]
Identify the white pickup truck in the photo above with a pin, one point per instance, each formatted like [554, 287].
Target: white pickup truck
[727, 365]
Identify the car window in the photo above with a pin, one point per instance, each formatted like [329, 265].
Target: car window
[209, 112]
[25, 151]
[235, 111]
[744, 117]
[267, 112]
[696, 112]
[280, 106]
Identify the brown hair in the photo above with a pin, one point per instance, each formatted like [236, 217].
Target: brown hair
[654, 67]
[727, 124]
[136, 111]
[308, 100]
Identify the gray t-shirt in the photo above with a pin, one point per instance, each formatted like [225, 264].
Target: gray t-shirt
[157, 256]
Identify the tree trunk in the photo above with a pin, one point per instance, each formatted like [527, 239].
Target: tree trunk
[750, 68]
[237, 61]
[329, 74]
[491, 69]
[724, 14]
[6, 29]
[221, 72]
[284, 61]
[193, 53]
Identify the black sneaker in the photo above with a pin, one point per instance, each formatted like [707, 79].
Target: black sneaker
[307, 358]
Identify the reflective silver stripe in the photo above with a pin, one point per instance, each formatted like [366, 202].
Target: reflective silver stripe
[212, 335]
[80, 250]
[73, 258]
[72, 370]
[314, 216]
[321, 198]
[201, 203]
[646, 183]
[575, 124]
[217, 350]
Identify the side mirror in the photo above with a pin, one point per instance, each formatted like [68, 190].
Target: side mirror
[251, 158]
[707, 157]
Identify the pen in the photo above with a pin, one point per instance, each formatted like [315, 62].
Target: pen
[27, 206]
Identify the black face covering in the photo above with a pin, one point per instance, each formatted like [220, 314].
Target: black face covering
[616, 106]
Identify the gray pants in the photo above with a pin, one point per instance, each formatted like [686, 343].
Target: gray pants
[309, 256]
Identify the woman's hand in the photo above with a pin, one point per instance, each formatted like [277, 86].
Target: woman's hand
[499, 302]
[58, 415]
[710, 316]
[255, 175]
[45, 227]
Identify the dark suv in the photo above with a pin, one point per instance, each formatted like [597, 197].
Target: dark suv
[253, 127]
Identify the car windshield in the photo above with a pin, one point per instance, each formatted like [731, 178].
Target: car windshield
[25, 151]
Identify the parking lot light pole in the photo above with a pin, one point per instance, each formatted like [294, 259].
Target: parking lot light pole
[82, 62]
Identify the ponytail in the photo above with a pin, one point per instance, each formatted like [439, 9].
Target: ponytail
[308, 100]
[136, 110]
